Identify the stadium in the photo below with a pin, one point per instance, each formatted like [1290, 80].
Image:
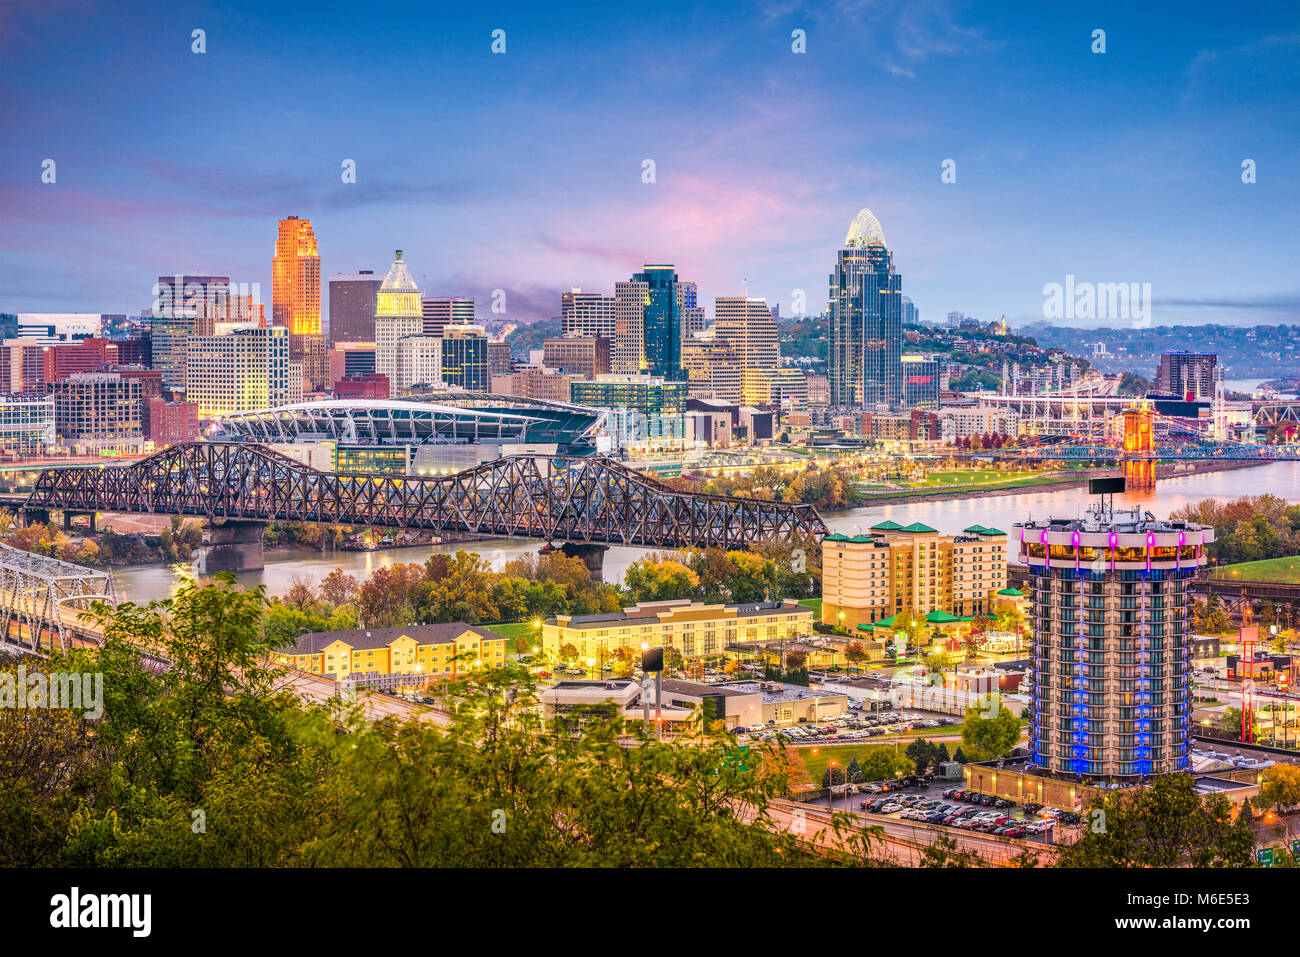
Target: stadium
[427, 433]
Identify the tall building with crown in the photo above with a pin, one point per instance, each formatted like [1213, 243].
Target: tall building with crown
[295, 297]
[866, 320]
[398, 315]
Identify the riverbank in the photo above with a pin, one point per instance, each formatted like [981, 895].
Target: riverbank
[1076, 479]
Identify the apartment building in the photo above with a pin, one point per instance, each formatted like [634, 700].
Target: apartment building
[911, 570]
[441, 650]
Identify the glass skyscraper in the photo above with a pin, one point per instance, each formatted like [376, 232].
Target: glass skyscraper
[866, 310]
[663, 323]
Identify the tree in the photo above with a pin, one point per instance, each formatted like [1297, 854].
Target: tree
[989, 738]
[301, 591]
[959, 756]
[651, 579]
[338, 587]
[855, 653]
[1167, 824]
[854, 772]
[1281, 787]
[795, 660]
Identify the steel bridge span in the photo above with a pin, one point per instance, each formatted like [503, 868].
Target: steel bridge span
[582, 503]
[43, 601]
[1172, 453]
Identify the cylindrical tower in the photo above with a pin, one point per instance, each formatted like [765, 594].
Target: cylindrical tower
[1110, 681]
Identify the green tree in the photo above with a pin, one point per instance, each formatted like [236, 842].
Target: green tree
[1167, 824]
[989, 738]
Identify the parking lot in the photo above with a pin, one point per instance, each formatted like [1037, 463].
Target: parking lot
[851, 726]
[939, 803]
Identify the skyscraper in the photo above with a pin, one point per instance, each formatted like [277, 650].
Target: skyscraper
[747, 326]
[866, 332]
[693, 318]
[662, 331]
[1110, 687]
[397, 315]
[441, 313]
[353, 298]
[1188, 374]
[295, 297]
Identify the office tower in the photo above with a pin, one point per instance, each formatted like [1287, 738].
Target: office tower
[662, 318]
[910, 570]
[921, 381]
[295, 297]
[464, 358]
[241, 370]
[587, 314]
[351, 360]
[419, 365]
[713, 369]
[1110, 691]
[692, 311]
[397, 315]
[628, 352]
[440, 313]
[747, 326]
[182, 294]
[98, 410]
[911, 315]
[1189, 374]
[22, 366]
[866, 330]
[172, 317]
[26, 424]
[500, 362]
[353, 300]
[585, 357]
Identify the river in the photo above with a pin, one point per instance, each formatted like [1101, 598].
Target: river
[143, 583]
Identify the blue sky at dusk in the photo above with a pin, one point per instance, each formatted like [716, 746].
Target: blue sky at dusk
[523, 171]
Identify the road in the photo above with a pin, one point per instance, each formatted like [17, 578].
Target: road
[374, 706]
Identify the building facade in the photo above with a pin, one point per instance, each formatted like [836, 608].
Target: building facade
[353, 300]
[438, 314]
[1110, 680]
[397, 316]
[241, 370]
[911, 570]
[465, 358]
[692, 628]
[1188, 374]
[427, 651]
[295, 297]
[98, 411]
[662, 322]
[866, 328]
[586, 356]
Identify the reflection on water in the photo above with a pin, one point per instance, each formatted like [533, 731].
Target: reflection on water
[149, 582]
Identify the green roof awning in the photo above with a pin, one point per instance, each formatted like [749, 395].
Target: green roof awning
[887, 526]
[1012, 592]
[981, 530]
[919, 528]
[885, 622]
[940, 617]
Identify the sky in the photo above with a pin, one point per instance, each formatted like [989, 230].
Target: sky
[524, 170]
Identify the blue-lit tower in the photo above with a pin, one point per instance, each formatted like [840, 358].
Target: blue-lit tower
[1110, 677]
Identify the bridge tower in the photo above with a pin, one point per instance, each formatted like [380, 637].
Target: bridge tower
[1139, 439]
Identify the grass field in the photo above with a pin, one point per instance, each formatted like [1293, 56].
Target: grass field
[815, 604]
[514, 629]
[1266, 570]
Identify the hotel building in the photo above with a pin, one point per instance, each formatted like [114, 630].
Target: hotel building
[869, 580]
[1110, 685]
[694, 629]
[442, 650]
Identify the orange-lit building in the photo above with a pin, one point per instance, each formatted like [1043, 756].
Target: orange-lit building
[295, 297]
[1139, 438]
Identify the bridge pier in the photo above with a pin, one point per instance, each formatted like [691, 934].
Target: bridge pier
[232, 546]
[592, 555]
[35, 516]
[69, 516]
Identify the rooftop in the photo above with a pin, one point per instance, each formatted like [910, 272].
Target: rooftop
[368, 638]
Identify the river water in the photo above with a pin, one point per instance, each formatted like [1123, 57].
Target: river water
[148, 582]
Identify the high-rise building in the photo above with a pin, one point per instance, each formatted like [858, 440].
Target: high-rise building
[662, 322]
[419, 365]
[26, 424]
[619, 319]
[295, 297]
[397, 316]
[98, 410]
[585, 356]
[440, 313]
[1110, 676]
[911, 315]
[911, 570]
[746, 325]
[464, 358]
[712, 367]
[1189, 374]
[587, 315]
[921, 381]
[691, 309]
[350, 360]
[866, 328]
[241, 370]
[22, 367]
[500, 361]
[353, 299]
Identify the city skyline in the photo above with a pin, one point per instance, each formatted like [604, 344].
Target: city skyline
[1134, 176]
